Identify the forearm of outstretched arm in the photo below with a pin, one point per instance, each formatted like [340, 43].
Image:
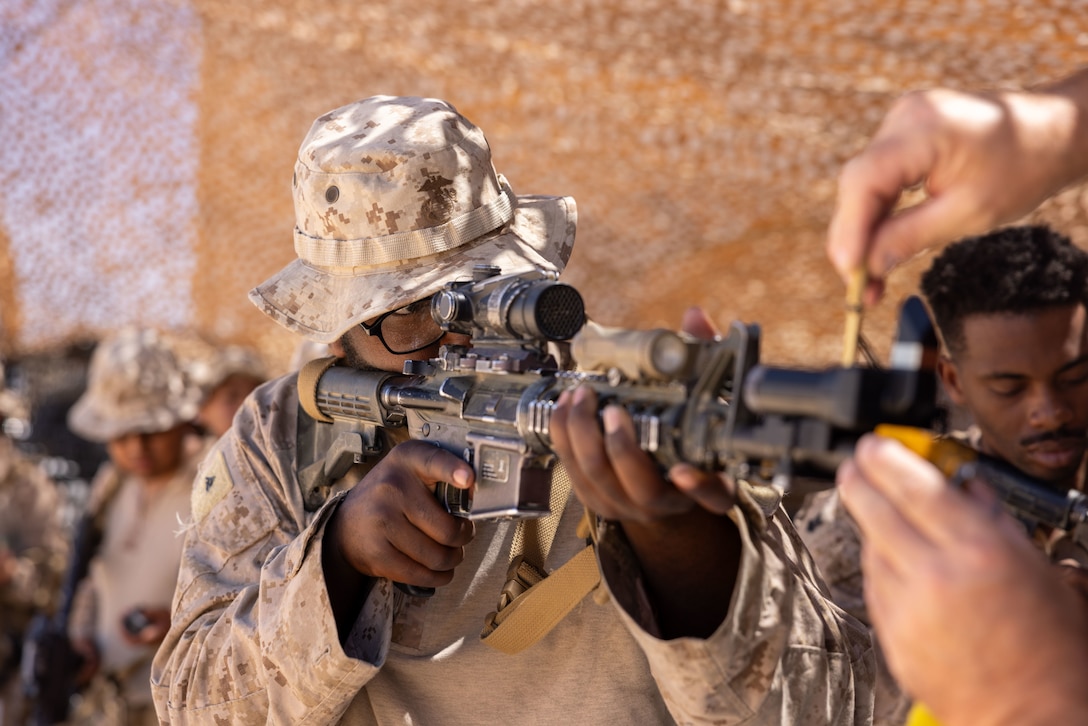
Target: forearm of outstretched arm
[782, 653]
[1062, 107]
[689, 564]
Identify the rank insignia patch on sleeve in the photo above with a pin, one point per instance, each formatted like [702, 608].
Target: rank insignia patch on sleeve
[213, 482]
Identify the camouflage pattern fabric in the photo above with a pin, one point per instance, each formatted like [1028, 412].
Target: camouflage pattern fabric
[395, 197]
[254, 639]
[832, 537]
[31, 532]
[136, 383]
[207, 362]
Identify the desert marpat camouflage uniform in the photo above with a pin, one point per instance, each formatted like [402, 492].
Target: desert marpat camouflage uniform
[31, 530]
[394, 198]
[254, 636]
[833, 538]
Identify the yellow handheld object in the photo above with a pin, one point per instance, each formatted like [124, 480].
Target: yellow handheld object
[948, 455]
[920, 716]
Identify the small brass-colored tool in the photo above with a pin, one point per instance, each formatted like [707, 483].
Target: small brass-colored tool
[854, 291]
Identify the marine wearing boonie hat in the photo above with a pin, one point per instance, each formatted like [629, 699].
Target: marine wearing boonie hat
[395, 197]
[135, 384]
[220, 362]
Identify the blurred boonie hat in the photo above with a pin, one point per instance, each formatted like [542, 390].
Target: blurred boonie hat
[395, 197]
[135, 384]
[221, 362]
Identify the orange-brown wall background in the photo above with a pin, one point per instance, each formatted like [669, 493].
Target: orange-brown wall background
[701, 140]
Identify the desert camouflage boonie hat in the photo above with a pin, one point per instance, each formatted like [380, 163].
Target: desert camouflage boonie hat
[135, 384]
[395, 197]
[219, 362]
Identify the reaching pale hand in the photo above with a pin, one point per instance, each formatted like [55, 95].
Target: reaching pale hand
[962, 602]
[983, 160]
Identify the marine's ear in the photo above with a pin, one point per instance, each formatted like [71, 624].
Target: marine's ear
[949, 374]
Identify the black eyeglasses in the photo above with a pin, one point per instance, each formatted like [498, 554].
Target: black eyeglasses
[406, 330]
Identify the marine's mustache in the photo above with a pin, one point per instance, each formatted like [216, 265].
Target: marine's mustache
[1061, 434]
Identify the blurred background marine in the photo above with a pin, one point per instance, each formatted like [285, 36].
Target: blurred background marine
[225, 377]
[140, 403]
[1009, 307]
[33, 549]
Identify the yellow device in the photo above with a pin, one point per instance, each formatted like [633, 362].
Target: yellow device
[948, 455]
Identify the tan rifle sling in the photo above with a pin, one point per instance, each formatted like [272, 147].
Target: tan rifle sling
[532, 603]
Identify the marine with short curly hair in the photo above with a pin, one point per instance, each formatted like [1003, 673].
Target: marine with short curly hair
[1010, 309]
[1011, 271]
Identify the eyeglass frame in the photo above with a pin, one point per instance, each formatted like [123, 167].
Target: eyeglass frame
[374, 330]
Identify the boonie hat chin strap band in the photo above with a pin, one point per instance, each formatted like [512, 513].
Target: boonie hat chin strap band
[412, 243]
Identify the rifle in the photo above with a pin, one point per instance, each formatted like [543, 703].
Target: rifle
[49, 664]
[705, 402]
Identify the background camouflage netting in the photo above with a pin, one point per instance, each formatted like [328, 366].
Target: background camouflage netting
[148, 145]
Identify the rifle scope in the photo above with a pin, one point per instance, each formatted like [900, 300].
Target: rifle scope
[530, 305]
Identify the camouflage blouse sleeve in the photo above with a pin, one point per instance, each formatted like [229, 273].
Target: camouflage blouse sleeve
[253, 638]
[834, 540]
[784, 653]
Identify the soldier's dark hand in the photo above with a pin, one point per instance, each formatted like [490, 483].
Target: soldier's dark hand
[390, 525]
[1071, 573]
[86, 649]
[616, 479]
[688, 551]
[155, 624]
[613, 476]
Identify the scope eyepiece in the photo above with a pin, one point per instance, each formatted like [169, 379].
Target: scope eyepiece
[451, 306]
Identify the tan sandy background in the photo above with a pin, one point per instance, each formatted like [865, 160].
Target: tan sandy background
[148, 145]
